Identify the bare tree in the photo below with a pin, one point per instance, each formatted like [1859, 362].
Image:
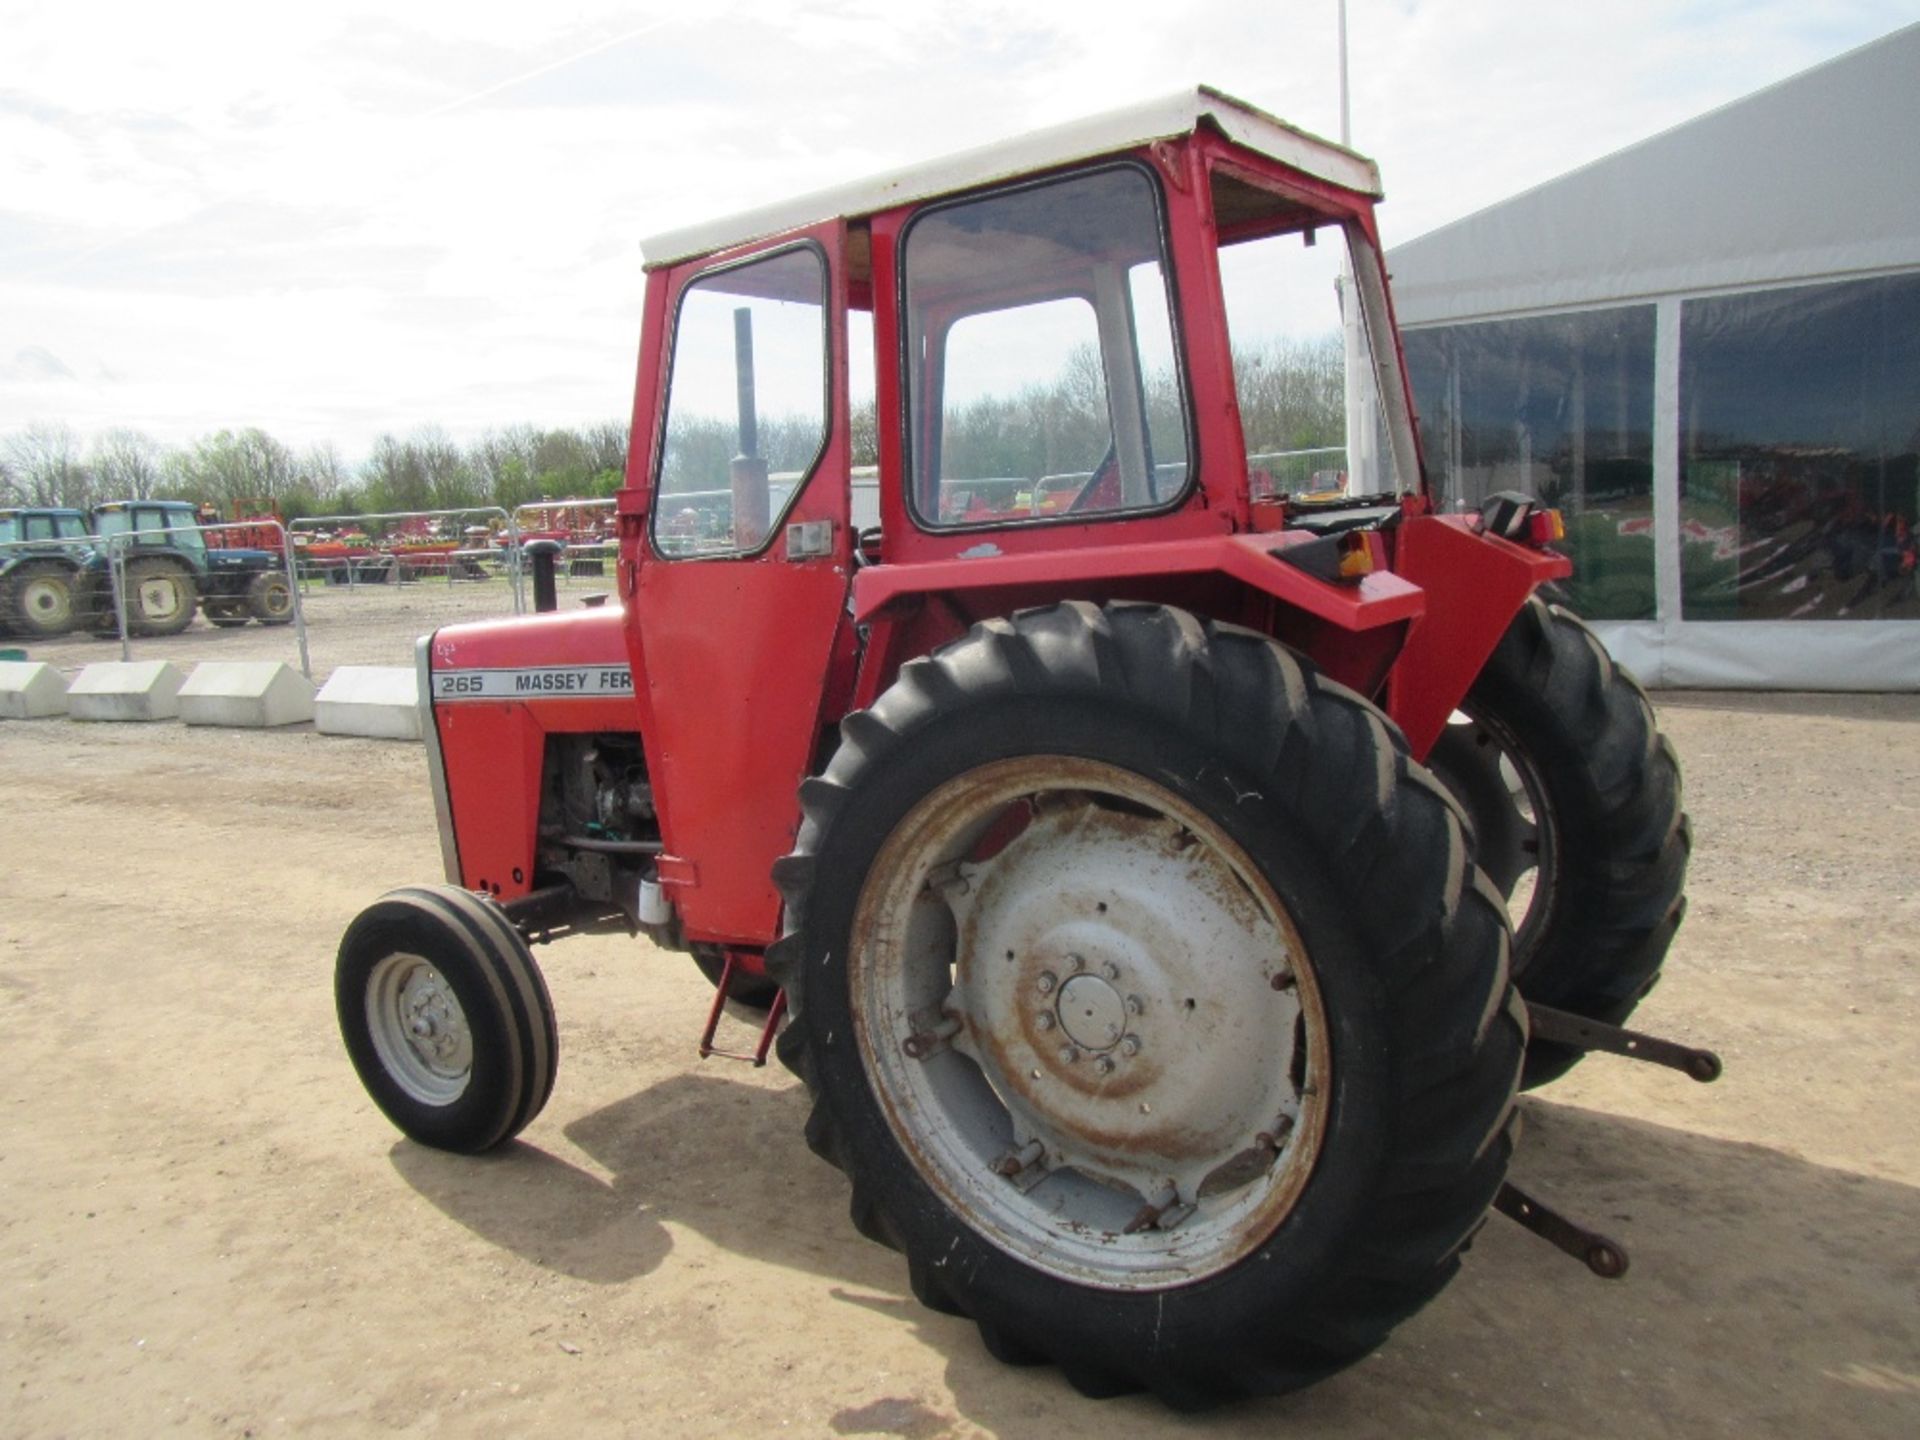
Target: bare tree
[320, 472]
[45, 468]
[127, 465]
[451, 483]
[607, 445]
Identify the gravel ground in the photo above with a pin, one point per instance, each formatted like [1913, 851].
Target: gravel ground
[207, 1229]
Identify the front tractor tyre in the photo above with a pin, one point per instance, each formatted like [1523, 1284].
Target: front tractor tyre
[224, 613]
[445, 1017]
[160, 597]
[37, 599]
[1147, 995]
[1575, 799]
[270, 598]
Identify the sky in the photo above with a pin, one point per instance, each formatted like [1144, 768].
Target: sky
[339, 220]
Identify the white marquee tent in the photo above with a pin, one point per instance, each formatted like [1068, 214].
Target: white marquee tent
[1706, 349]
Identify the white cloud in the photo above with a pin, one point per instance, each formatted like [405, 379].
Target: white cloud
[351, 218]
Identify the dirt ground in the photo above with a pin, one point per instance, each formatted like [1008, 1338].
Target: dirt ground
[207, 1229]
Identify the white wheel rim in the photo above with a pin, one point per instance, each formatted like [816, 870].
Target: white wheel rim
[48, 601]
[1103, 1043]
[159, 597]
[418, 1029]
[1535, 886]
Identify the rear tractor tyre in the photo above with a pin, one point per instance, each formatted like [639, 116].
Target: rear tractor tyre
[446, 1017]
[38, 600]
[270, 598]
[160, 597]
[1575, 799]
[1148, 997]
[93, 603]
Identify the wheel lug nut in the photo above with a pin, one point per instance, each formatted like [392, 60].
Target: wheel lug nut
[1135, 1006]
[1110, 970]
[1044, 1020]
[1104, 1065]
[1069, 1054]
[1046, 982]
[1076, 963]
[1130, 1045]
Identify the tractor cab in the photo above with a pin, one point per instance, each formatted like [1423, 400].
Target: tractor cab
[1035, 348]
[51, 526]
[154, 525]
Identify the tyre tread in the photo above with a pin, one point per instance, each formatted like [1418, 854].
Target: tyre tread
[498, 956]
[1624, 896]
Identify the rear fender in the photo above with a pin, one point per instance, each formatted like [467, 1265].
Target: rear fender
[1475, 584]
[491, 693]
[1352, 630]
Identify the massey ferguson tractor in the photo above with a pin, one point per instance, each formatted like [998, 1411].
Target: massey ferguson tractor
[1162, 882]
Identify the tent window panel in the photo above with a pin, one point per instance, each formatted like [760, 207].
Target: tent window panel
[1799, 427]
[1559, 407]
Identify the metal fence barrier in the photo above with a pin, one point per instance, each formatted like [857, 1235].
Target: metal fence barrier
[358, 590]
[52, 588]
[412, 545]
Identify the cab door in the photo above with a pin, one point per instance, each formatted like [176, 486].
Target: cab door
[743, 567]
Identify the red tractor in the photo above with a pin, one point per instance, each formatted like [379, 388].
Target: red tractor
[1152, 881]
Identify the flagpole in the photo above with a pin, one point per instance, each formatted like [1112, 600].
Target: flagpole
[1346, 112]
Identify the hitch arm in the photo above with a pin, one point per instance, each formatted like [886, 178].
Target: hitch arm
[1604, 1257]
[1560, 1027]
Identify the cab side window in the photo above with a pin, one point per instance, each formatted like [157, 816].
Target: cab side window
[746, 404]
[1041, 366]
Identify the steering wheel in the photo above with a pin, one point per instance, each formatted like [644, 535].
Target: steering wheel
[1102, 490]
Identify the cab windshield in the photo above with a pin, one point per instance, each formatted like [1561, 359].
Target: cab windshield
[149, 523]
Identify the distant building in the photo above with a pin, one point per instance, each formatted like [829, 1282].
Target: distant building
[1706, 349]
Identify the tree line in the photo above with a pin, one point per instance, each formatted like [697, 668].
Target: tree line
[1291, 397]
[236, 470]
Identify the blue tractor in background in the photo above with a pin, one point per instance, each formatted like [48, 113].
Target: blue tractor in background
[170, 567]
[42, 551]
[55, 572]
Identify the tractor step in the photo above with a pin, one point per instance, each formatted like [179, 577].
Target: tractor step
[775, 1013]
[1560, 1027]
[1605, 1258]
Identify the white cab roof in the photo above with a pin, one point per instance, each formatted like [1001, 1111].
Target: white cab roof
[1164, 119]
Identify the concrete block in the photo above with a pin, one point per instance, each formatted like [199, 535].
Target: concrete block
[30, 690]
[246, 694]
[126, 690]
[379, 701]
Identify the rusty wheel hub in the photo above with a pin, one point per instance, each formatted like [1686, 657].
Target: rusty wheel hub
[1091, 1021]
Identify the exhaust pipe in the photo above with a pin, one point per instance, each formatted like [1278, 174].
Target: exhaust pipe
[542, 554]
